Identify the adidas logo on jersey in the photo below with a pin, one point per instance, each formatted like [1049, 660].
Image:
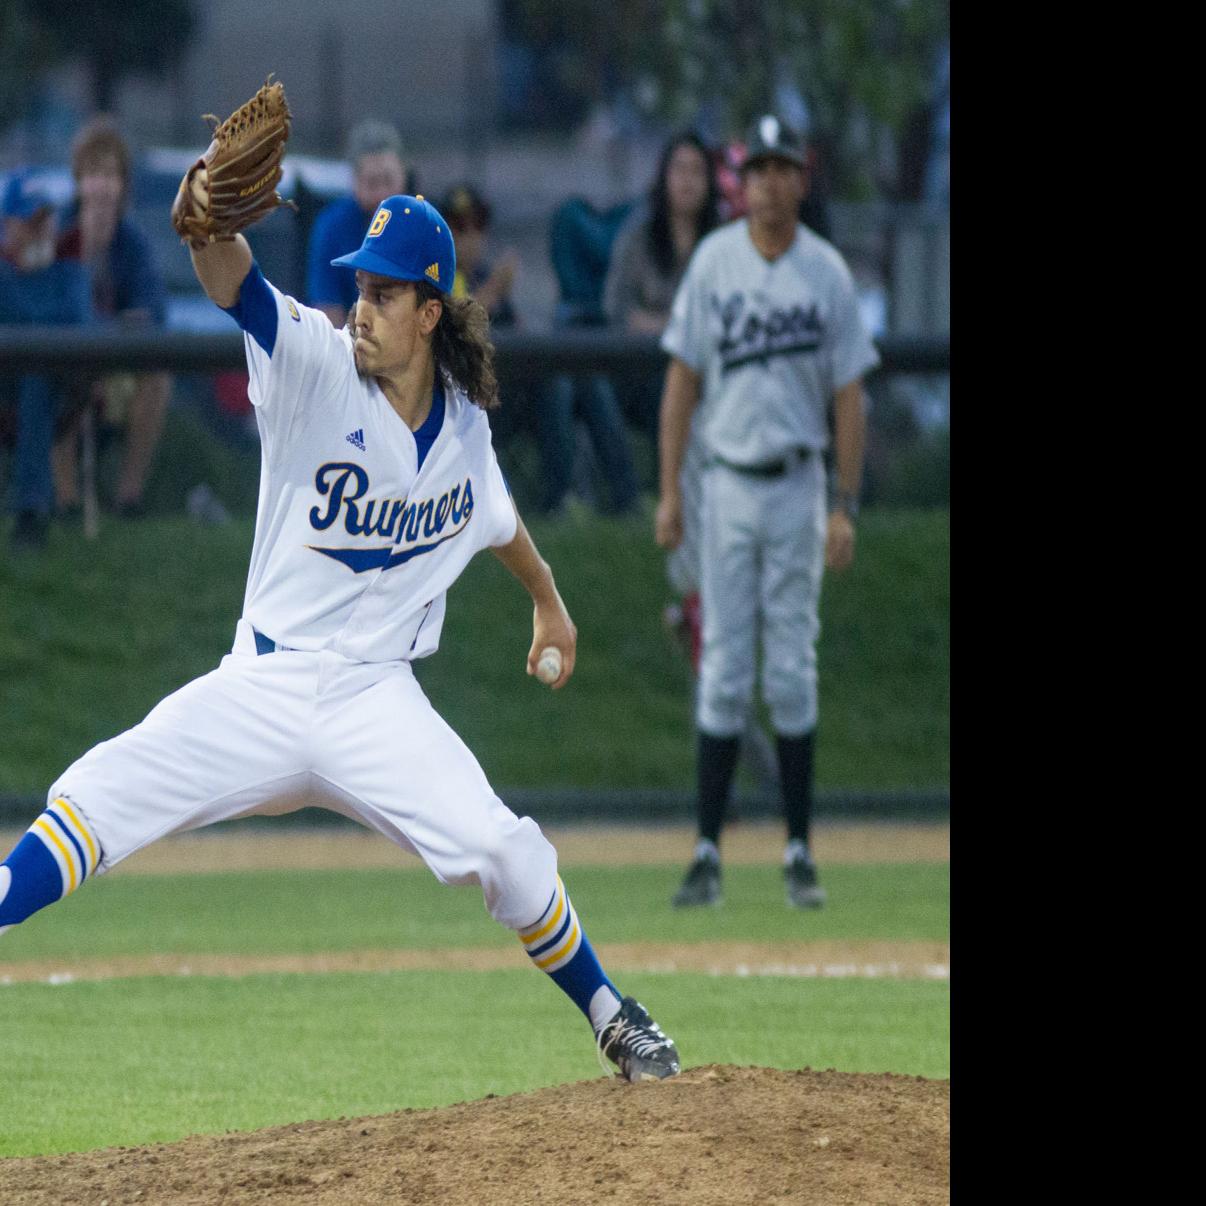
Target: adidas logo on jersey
[356, 437]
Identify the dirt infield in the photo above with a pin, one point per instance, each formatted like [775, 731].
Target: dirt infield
[715, 1136]
[830, 960]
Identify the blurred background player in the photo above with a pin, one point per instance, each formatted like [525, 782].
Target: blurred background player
[765, 332]
[128, 289]
[379, 170]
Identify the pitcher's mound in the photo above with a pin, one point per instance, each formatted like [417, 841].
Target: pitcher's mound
[717, 1134]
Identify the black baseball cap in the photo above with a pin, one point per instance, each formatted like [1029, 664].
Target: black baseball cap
[769, 138]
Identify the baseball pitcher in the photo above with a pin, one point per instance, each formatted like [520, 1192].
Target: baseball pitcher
[766, 343]
[378, 484]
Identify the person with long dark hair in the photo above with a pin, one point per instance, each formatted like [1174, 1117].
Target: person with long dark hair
[652, 251]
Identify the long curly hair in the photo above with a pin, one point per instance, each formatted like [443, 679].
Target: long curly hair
[462, 345]
[658, 233]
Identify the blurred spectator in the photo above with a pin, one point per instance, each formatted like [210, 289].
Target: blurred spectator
[35, 289]
[651, 254]
[378, 171]
[490, 283]
[652, 250]
[580, 240]
[127, 289]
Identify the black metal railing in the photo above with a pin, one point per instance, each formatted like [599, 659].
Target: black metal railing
[519, 354]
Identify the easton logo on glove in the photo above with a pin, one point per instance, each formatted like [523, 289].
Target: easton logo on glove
[234, 183]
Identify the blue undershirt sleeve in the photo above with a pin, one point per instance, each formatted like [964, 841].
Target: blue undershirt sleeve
[255, 311]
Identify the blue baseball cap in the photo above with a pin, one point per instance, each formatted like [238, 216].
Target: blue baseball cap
[25, 196]
[407, 240]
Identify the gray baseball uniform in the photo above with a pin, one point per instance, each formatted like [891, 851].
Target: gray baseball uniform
[772, 342]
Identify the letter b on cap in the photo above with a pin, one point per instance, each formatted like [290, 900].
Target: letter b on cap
[379, 220]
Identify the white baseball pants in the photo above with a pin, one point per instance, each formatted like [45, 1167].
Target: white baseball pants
[270, 734]
[762, 555]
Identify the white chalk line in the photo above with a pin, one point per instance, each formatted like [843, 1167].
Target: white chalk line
[801, 971]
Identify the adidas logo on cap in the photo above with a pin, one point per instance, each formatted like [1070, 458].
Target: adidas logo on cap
[433, 271]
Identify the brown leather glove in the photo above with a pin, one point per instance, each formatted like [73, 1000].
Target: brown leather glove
[234, 183]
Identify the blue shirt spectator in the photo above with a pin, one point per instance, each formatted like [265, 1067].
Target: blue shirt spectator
[36, 290]
[125, 279]
[338, 229]
[378, 171]
[49, 296]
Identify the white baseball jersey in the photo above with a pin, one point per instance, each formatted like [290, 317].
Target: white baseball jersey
[771, 341]
[356, 542]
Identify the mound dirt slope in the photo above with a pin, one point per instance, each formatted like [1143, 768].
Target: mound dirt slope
[717, 1134]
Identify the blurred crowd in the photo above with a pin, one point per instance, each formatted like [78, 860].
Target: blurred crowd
[87, 263]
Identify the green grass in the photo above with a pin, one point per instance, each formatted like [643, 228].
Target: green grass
[93, 635]
[308, 911]
[147, 1060]
[884, 656]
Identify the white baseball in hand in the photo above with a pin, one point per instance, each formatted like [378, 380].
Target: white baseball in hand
[548, 669]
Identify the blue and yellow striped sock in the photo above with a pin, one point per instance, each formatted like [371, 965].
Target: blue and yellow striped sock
[556, 943]
[58, 852]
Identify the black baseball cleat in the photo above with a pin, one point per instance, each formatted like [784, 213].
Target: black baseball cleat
[636, 1044]
[803, 891]
[701, 885]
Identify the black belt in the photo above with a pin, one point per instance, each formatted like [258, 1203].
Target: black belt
[767, 468]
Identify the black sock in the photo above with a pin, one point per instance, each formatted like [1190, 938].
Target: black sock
[717, 761]
[795, 782]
